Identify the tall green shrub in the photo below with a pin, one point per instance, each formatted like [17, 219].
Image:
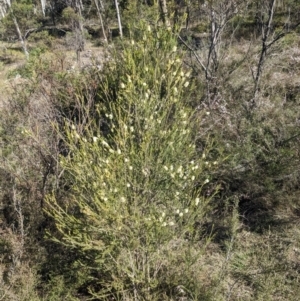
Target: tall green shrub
[135, 209]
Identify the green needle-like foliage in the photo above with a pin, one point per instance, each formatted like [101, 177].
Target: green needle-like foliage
[135, 208]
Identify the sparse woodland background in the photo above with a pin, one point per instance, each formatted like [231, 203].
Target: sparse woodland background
[149, 150]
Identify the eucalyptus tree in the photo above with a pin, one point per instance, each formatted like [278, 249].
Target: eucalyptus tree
[19, 18]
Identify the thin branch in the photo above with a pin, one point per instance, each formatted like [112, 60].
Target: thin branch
[194, 53]
[265, 35]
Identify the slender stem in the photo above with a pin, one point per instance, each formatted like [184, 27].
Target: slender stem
[119, 18]
[101, 20]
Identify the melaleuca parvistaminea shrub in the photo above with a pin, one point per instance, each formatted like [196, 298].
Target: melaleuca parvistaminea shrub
[135, 190]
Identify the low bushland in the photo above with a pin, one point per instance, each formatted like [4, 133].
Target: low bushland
[147, 179]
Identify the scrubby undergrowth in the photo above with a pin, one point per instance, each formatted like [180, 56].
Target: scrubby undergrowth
[139, 175]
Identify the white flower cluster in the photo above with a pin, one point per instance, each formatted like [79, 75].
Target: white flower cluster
[164, 221]
[181, 213]
[168, 221]
[180, 172]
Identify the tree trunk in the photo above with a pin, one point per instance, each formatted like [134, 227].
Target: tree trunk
[101, 20]
[164, 12]
[101, 4]
[23, 42]
[266, 30]
[119, 18]
[43, 5]
[2, 11]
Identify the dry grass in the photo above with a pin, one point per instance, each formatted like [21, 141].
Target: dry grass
[12, 58]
